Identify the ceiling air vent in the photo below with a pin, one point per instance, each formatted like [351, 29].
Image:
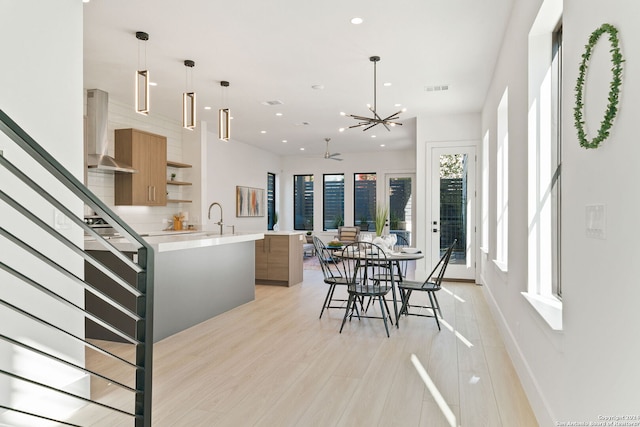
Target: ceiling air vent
[272, 103]
[436, 88]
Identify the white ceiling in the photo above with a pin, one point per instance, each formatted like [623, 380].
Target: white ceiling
[278, 49]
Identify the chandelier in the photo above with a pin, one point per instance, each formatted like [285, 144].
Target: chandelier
[370, 122]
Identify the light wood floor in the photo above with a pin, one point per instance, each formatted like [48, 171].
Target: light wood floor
[272, 362]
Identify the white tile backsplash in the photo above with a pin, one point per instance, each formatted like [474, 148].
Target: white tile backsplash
[144, 218]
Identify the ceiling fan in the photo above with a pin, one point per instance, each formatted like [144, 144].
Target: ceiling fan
[331, 156]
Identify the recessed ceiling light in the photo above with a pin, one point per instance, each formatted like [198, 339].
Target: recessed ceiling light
[381, 145]
[342, 113]
[86, 1]
[387, 84]
[278, 114]
[284, 141]
[341, 130]
[301, 148]
[356, 21]
[373, 136]
[207, 108]
[263, 131]
[397, 105]
[153, 84]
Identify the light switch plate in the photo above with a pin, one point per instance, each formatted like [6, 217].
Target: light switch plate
[595, 221]
[60, 220]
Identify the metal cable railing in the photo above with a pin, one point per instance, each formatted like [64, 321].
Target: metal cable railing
[53, 371]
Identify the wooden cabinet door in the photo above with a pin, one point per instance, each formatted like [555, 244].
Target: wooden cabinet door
[262, 260]
[147, 153]
[278, 257]
[157, 169]
[141, 191]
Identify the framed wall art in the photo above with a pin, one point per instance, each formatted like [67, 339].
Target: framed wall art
[249, 201]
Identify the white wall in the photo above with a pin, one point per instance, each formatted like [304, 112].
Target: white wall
[380, 162]
[452, 129]
[589, 369]
[41, 89]
[229, 164]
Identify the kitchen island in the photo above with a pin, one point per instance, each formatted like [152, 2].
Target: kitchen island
[197, 277]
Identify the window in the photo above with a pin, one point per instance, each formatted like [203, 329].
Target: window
[556, 160]
[271, 199]
[544, 289]
[485, 193]
[303, 202]
[364, 200]
[502, 183]
[333, 201]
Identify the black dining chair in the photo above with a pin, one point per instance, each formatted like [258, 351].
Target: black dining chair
[332, 275]
[362, 262]
[432, 285]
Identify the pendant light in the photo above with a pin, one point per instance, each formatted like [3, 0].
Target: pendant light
[370, 122]
[142, 78]
[224, 116]
[189, 98]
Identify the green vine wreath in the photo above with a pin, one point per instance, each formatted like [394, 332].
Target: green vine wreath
[614, 87]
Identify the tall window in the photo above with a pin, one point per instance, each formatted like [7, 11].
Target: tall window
[502, 183]
[485, 193]
[271, 199]
[544, 143]
[333, 201]
[556, 160]
[303, 202]
[364, 200]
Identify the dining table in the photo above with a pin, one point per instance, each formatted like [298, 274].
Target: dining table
[393, 259]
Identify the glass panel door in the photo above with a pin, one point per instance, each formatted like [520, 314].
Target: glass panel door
[400, 201]
[453, 209]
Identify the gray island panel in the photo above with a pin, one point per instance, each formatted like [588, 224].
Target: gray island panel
[193, 285]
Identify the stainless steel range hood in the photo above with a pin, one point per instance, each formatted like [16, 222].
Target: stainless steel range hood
[97, 142]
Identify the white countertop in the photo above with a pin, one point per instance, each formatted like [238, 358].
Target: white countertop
[177, 241]
[283, 233]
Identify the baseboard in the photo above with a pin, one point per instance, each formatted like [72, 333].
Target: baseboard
[531, 388]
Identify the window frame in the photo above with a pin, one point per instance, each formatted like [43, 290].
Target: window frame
[271, 199]
[371, 217]
[295, 213]
[335, 219]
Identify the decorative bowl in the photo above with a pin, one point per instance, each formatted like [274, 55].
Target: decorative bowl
[410, 250]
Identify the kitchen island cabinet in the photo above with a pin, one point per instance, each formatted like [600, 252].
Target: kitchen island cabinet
[279, 258]
[197, 276]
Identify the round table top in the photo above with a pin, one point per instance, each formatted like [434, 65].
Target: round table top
[392, 256]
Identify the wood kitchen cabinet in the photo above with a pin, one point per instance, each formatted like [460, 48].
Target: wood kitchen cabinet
[279, 259]
[146, 152]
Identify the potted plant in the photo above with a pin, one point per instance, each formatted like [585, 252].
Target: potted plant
[309, 237]
[364, 223]
[338, 221]
[276, 227]
[381, 218]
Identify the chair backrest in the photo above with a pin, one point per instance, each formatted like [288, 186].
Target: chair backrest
[348, 234]
[318, 244]
[401, 240]
[326, 259]
[440, 267]
[365, 271]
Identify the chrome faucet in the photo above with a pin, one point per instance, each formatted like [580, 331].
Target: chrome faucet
[219, 223]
